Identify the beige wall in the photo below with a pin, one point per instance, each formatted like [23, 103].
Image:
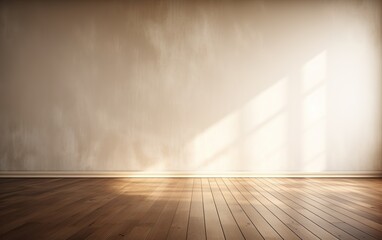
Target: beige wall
[191, 85]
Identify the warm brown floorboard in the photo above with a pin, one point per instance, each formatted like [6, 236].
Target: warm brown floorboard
[191, 208]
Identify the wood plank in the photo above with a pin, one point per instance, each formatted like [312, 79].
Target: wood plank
[42, 209]
[293, 212]
[346, 201]
[348, 225]
[244, 223]
[295, 226]
[228, 222]
[162, 226]
[265, 229]
[148, 219]
[373, 227]
[282, 229]
[213, 225]
[179, 226]
[191, 208]
[311, 214]
[196, 225]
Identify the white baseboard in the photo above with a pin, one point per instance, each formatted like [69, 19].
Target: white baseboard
[122, 174]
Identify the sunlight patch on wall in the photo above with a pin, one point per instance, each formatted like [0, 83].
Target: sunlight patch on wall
[265, 128]
[216, 139]
[265, 105]
[266, 148]
[314, 114]
[314, 72]
[254, 134]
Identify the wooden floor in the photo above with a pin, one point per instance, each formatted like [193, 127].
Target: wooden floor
[191, 208]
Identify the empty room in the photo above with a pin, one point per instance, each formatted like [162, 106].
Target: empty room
[190, 119]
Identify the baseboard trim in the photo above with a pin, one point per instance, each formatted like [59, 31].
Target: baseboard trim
[135, 174]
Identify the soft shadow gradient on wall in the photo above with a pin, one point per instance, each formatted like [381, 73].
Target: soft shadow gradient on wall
[187, 85]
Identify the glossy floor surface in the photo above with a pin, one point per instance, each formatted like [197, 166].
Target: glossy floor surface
[191, 208]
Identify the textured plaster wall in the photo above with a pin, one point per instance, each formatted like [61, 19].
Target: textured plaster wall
[190, 85]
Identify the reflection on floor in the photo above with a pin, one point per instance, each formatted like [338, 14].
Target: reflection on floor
[191, 208]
